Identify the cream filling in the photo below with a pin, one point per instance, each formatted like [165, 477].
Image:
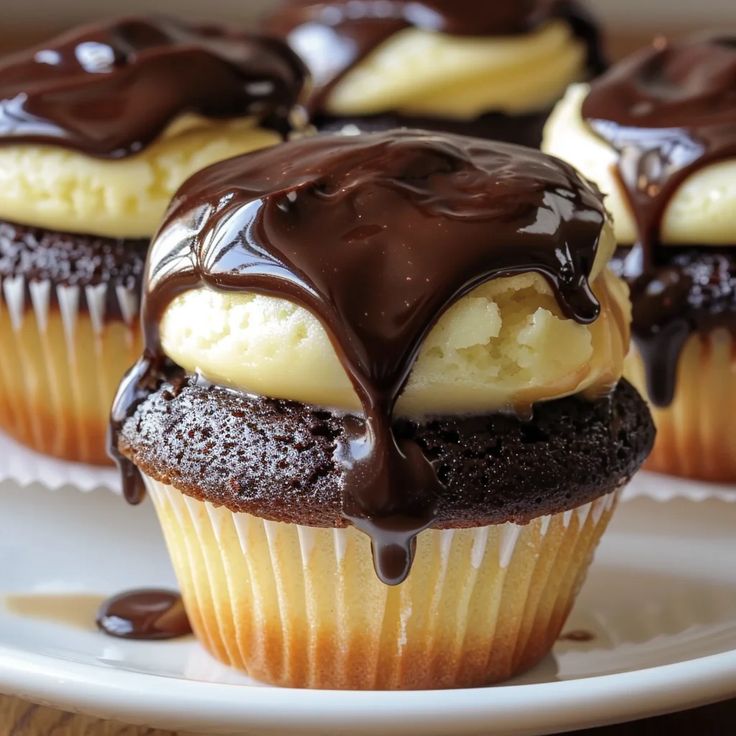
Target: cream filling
[504, 346]
[702, 211]
[425, 73]
[60, 189]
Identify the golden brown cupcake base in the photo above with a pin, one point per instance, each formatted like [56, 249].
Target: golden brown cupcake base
[300, 606]
[69, 330]
[56, 391]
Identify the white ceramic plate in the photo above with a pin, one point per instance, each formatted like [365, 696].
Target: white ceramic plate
[660, 600]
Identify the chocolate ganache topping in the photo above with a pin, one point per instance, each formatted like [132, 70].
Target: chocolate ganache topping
[333, 37]
[150, 614]
[377, 236]
[110, 89]
[669, 111]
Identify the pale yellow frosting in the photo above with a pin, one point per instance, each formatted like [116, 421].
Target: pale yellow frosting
[504, 346]
[702, 211]
[56, 188]
[422, 72]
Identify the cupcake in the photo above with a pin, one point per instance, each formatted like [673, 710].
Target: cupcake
[657, 134]
[491, 69]
[98, 128]
[379, 410]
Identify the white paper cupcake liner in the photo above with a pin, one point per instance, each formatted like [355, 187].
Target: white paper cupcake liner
[25, 467]
[666, 488]
[63, 359]
[302, 606]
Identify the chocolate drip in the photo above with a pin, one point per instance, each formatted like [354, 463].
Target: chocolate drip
[578, 636]
[377, 236]
[110, 89]
[149, 614]
[693, 293]
[333, 37]
[669, 111]
[276, 459]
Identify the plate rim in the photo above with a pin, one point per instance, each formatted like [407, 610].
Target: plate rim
[167, 702]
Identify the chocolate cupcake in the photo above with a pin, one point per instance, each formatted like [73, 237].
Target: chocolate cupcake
[379, 409]
[658, 135]
[491, 69]
[98, 128]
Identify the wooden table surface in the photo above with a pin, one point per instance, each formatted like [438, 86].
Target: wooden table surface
[18, 718]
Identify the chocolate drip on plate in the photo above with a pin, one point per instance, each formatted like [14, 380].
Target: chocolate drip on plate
[110, 89]
[334, 37]
[150, 614]
[669, 111]
[377, 236]
[578, 636]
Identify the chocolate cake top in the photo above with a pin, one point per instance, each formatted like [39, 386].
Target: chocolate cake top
[278, 459]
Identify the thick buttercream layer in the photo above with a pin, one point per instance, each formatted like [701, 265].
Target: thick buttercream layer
[422, 72]
[61, 189]
[702, 210]
[504, 346]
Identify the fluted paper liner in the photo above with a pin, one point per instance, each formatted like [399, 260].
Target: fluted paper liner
[302, 607]
[61, 364]
[24, 466]
[696, 434]
[666, 488]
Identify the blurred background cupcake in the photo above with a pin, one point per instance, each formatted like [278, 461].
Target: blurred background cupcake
[658, 136]
[490, 69]
[417, 504]
[98, 128]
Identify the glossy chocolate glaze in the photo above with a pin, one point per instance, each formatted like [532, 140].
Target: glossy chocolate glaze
[377, 236]
[111, 88]
[61, 259]
[149, 614]
[693, 292]
[333, 37]
[669, 111]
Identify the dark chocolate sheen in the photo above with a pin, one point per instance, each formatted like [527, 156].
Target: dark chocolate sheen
[111, 88]
[334, 36]
[151, 614]
[669, 111]
[692, 292]
[277, 459]
[378, 236]
[522, 129]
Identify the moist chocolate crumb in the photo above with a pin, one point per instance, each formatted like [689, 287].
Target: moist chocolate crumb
[71, 259]
[276, 459]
